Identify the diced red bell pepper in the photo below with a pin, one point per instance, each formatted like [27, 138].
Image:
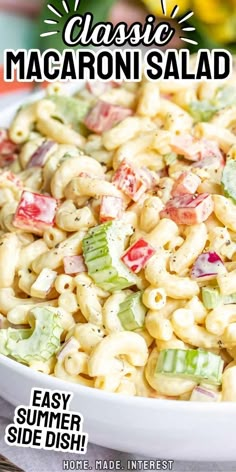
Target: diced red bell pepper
[7, 159]
[211, 156]
[130, 181]
[203, 151]
[3, 135]
[35, 212]
[189, 209]
[111, 208]
[186, 183]
[38, 157]
[8, 149]
[211, 149]
[103, 116]
[187, 146]
[149, 178]
[74, 265]
[136, 257]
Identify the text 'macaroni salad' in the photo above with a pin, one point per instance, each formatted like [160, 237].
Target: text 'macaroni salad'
[118, 238]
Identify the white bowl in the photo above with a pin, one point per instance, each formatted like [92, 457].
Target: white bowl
[150, 427]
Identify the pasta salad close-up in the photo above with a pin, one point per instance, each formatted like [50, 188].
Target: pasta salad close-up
[118, 238]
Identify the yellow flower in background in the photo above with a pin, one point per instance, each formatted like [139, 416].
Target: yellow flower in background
[217, 16]
[220, 18]
[211, 11]
[225, 33]
[154, 6]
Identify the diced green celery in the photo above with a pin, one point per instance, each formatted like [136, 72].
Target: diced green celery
[228, 299]
[211, 297]
[132, 312]
[95, 253]
[3, 342]
[102, 250]
[229, 179]
[170, 158]
[38, 343]
[202, 110]
[196, 364]
[71, 111]
[16, 334]
[225, 97]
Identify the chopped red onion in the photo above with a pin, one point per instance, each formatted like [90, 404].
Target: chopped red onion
[202, 394]
[74, 265]
[207, 266]
[38, 157]
[69, 346]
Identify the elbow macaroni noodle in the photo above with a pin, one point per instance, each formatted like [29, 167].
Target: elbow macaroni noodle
[97, 351]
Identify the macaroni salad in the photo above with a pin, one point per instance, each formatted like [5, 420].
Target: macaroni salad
[118, 238]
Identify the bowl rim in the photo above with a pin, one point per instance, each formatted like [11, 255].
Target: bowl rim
[111, 397]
